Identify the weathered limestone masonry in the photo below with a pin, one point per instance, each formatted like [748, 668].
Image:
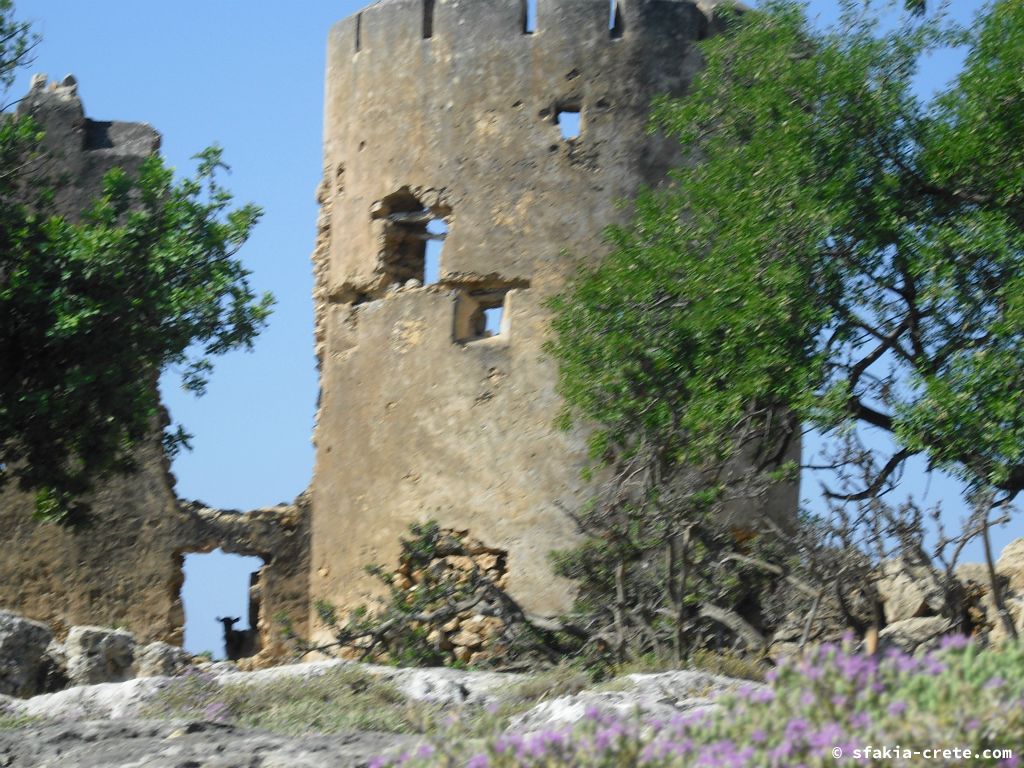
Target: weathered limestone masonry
[448, 110]
[126, 570]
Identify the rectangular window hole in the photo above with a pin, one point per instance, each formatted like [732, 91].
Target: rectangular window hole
[480, 315]
[569, 123]
[529, 16]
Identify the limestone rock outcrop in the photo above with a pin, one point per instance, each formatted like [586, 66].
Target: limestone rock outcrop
[99, 655]
[915, 634]
[1011, 565]
[23, 653]
[107, 726]
[161, 660]
[908, 591]
[33, 662]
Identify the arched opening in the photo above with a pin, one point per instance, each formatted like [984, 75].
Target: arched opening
[221, 586]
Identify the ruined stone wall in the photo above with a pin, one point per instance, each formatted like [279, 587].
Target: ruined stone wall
[125, 569]
[448, 109]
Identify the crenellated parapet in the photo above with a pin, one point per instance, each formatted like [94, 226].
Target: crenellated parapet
[447, 96]
[467, 23]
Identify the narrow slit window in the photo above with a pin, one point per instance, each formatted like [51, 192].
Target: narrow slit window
[359, 32]
[428, 19]
[569, 123]
[616, 26]
[529, 16]
[437, 231]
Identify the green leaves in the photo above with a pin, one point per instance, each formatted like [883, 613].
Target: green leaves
[91, 311]
[16, 43]
[830, 248]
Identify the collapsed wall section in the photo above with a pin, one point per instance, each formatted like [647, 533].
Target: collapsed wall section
[124, 568]
[452, 109]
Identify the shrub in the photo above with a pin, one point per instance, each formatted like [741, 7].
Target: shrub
[444, 581]
[961, 697]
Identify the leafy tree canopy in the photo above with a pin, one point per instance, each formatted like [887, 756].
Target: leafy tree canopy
[92, 308]
[833, 248]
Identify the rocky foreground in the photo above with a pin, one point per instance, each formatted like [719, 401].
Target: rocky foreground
[131, 743]
[120, 725]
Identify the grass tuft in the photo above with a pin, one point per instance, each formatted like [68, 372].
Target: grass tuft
[340, 699]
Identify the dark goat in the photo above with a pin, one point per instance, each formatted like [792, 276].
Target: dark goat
[238, 643]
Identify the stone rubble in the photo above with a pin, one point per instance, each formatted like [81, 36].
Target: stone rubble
[913, 606]
[659, 695]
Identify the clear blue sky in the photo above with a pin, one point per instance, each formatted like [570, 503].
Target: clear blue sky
[250, 77]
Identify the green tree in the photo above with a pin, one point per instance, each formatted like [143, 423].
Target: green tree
[92, 309]
[834, 252]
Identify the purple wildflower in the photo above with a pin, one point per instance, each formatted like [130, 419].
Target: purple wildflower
[217, 712]
[827, 736]
[744, 692]
[763, 696]
[813, 673]
[906, 664]
[897, 708]
[797, 727]
[954, 642]
[860, 721]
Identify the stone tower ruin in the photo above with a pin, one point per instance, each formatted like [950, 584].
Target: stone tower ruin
[445, 114]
